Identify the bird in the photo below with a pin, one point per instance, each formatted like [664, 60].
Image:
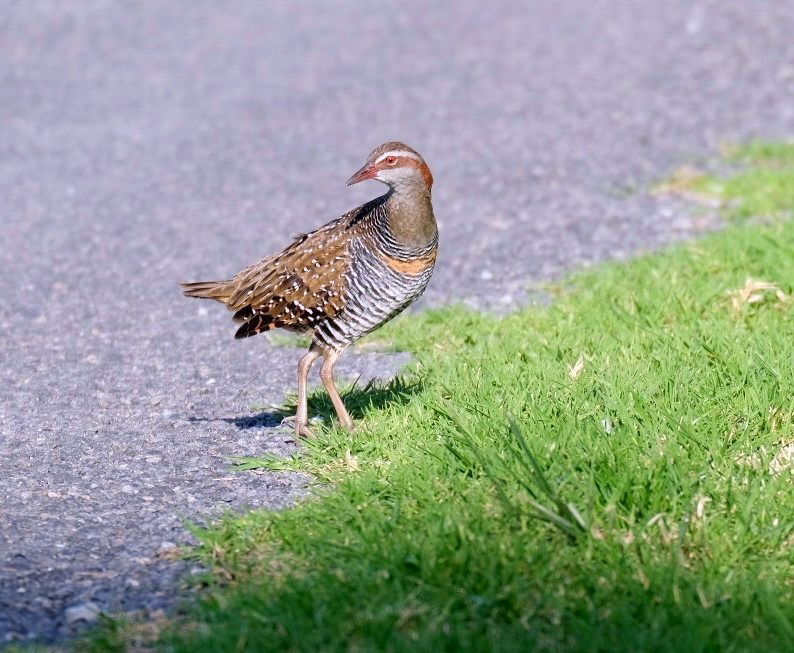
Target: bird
[344, 279]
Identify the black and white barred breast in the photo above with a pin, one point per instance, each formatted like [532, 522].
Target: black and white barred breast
[380, 282]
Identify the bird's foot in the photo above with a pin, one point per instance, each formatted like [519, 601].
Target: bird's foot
[299, 426]
[302, 430]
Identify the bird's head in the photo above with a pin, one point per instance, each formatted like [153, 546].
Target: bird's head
[397, 165]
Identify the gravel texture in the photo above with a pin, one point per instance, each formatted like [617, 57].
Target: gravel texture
[142, 144]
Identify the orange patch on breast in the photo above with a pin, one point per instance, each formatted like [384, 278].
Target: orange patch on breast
[413, 267]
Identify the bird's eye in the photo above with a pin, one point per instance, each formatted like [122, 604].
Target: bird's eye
[391, 160]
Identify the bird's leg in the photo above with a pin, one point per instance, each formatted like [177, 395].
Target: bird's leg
[302, 414]
[327, 375]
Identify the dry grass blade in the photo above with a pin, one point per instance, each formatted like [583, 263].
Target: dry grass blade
[687, 182]
[577, 368]
[754, 291]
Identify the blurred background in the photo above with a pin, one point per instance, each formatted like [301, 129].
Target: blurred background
[158, 141]
[143, 144]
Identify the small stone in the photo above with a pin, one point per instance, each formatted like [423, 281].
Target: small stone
[88, 612]
[486, 275]
[166, 547]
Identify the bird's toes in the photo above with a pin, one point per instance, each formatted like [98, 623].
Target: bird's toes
[303, 431]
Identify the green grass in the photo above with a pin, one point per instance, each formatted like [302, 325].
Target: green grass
[763, 153]
[605, 474]
[764, 188]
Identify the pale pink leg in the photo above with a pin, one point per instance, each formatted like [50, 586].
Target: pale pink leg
[302, 414]
[330, 357]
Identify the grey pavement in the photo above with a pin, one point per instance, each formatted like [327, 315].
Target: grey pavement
[143, 144]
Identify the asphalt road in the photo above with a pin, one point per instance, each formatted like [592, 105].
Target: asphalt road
[142, 144]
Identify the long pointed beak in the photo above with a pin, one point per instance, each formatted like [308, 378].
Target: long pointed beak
[367, 172]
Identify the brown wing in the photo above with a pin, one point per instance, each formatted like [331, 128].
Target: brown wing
[296, 288]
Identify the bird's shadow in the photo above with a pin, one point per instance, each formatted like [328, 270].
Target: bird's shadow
[359, 400]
